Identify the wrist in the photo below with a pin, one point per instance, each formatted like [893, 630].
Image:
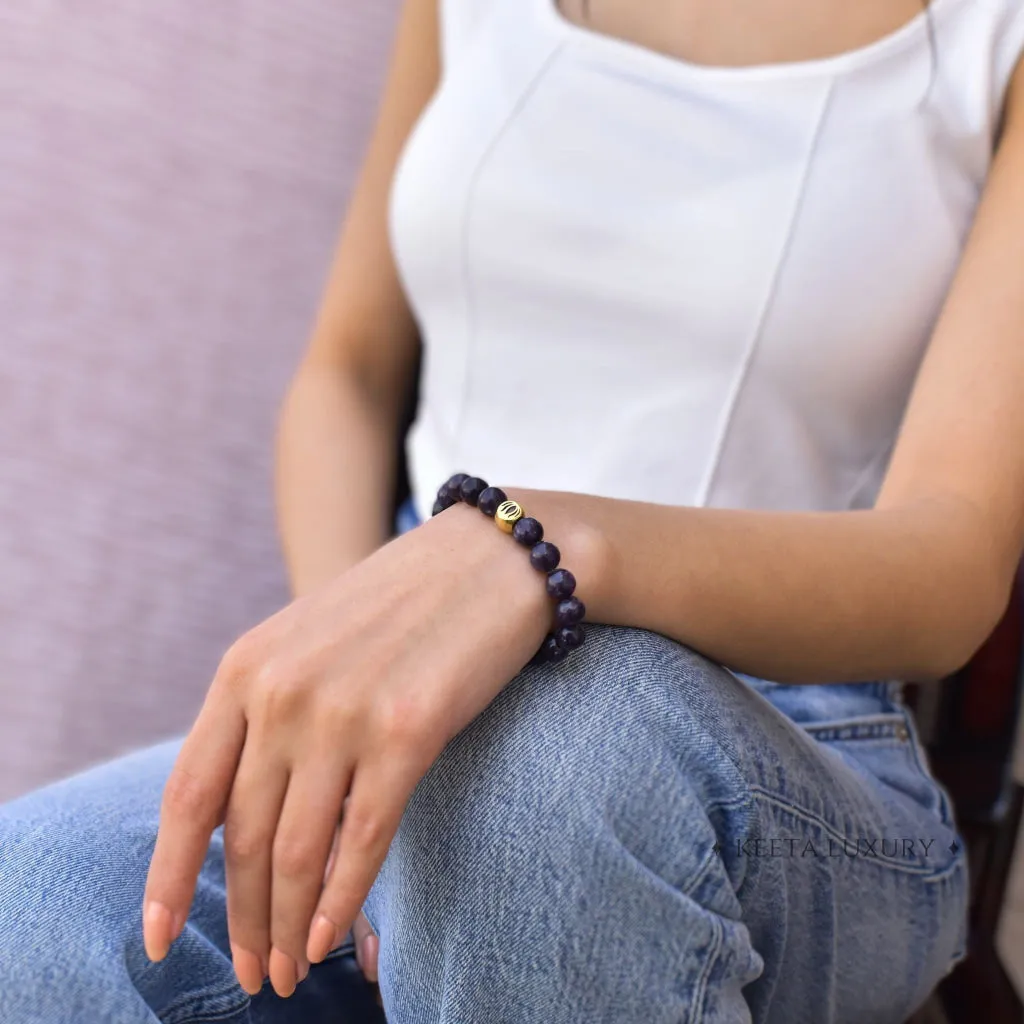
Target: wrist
[570, 521]
[486, 553]
[568, 609]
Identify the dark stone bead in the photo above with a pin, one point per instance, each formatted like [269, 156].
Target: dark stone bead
[527, 532]
[545, 556]
[438, 507]
[561, 584]
[445, 498]
[570, 637]
[453, 483]
[570, 611]
[471, 489]
[489, 500]
[551, 650]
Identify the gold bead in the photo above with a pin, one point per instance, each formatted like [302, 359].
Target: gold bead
[509, 513]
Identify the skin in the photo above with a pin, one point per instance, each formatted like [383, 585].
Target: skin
[335, 707]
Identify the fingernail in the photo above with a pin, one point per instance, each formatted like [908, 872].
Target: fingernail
[157, 925]
[303, 972]
[283, 973]
[371, 949]
[248, 968]
[321, 938]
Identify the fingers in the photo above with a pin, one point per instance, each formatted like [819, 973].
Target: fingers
[367, 947]
[374, 809]
[305, 835]
[249, 828]
[193, 806]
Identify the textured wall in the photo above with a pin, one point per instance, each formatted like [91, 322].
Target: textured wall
[172, 176]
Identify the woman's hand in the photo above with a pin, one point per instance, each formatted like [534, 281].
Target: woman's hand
[346, 696]
[367, 947]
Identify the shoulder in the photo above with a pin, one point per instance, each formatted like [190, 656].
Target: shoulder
[976, 46]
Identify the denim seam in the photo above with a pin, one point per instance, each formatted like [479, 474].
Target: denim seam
[810, 817]
[928, 874]
[885, 725]
[697, 1009]
[698, 876]
[182, 1011]
[948, 815]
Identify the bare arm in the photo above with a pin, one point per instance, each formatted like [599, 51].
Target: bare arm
[338, 432]
[909, 589]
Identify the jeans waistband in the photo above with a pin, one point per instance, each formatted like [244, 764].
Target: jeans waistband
[406, 517]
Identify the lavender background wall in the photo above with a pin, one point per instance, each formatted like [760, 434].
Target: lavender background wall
[172, 176]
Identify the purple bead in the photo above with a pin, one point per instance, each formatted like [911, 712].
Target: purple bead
[438, 507]
[527, 532]
[551, 650]
[445, 498]
[570, 611]
[489, 500]
[561, 584]
[471, 489]
[545, 557]
[570, 637]
[453, 483]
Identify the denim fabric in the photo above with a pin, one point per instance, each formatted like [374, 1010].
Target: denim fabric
[633, 835]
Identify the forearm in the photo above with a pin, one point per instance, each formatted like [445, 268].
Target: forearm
[906, 592]
[335, 472]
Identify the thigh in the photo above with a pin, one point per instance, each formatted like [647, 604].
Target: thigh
[75, 856]
[854, 882]
[73, 863]
[638, 774]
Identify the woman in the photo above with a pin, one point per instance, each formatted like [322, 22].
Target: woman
[727, 296]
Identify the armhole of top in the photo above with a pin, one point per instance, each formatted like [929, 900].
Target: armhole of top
[1009, 51]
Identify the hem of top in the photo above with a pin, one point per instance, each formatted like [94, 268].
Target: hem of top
[900, 38]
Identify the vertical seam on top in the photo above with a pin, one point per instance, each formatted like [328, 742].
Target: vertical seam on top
[467, 279]
[732, 403]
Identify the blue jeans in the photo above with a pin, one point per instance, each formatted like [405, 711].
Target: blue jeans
[632, 835]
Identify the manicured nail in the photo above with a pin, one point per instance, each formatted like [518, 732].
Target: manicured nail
[283, 973]
[321, 938]
[248, 968]
[371, 949]
[157, 928]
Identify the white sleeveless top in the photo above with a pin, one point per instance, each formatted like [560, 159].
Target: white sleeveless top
[643, 278]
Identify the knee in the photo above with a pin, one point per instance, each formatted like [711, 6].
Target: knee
[629, 708]
[580, 810]
[625, 746]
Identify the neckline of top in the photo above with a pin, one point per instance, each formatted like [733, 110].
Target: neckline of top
[638, 54]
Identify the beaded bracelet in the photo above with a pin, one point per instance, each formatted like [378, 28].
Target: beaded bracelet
[510, 517]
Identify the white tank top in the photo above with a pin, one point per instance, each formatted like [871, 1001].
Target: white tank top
[643, 278]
